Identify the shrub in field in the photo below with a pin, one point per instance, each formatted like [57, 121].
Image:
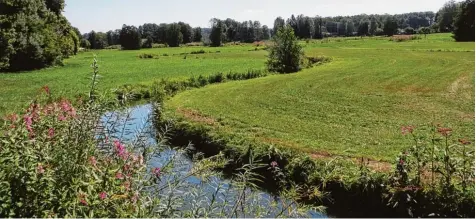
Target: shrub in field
[198, 52]
[157, 45]
[403, 38]
[148, 56]
[409, 31]
[113, 47]
[286, 54]
[147, 43]
[310, 61]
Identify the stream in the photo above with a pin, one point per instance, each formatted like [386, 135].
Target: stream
[136, 126]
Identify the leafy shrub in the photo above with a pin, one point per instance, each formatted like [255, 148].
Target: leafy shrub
[148, 56]
[409, 31]
[310, 61]
[286, 53]
[198, 52]
[403, 38]
[113, 47]
[147, 43]
[194, 44]
[157, 45]
[85, 44]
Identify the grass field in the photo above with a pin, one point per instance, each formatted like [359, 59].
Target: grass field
[124, 67]
[354, 105]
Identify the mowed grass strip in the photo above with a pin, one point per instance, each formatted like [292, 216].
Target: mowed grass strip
[125, 67]
[353, 106]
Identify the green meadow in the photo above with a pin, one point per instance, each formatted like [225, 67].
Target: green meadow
[352, 106]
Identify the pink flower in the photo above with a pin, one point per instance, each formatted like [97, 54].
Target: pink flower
[103, 195]
[106, 139]
[444, 131]
[135, 197]
[274, 164]
[39, 169]
[156, 171]
[28, 122]
[61, 118]
[51, 132]
[84, 202]
[127, 185]
[120, 149]
[119, 175]
[92, 161]
[407, 129]
[46, 89]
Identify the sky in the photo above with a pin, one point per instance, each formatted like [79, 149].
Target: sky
[104, 15]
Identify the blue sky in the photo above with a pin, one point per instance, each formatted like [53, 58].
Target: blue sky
[104, 15]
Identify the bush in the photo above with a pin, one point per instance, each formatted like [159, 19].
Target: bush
[311, 61]
[285, 55]
[147, 43]
[409, 31]
[113, 47]
[198, 52]
[85, 44]
[148, 56]
[157, 45]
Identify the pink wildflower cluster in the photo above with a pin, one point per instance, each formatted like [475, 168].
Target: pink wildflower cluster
[156, 171]
[407, 129]
[121, 150]
[102, 195]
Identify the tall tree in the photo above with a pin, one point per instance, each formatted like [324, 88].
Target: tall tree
[373, 26]
[278, 23]
[446, 16]
[363, 29]
[174, 35]
[285, 55]
[217, 34]
[186, 31]
[197, 34]
[390, 26]
[130, 38]
[464, 22]
[266, 33]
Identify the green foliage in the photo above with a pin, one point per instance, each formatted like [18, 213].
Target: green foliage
[34, 35]
[187, 32]
[446, 16]
[464, 22]
[424, 30]
[85, 44]
[148, 42]
[197, 34]
[390, 26]
[130, 38]
[409, 31]
[174, 35]
[217, 34]
[285, 54]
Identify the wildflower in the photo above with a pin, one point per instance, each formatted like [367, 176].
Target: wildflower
[28, 122]
[61, 118]
[120, 149]
[40, 169]
[126, 167]
[46, 89]
[92, 161]
[407, 129]
[135, 197]
[444, 131]
[274, 164]
[84, 202]
[119, 175]
[51, 132]
[156, 171]
[464, 141]
[103, 195]
[127, 185]
[402, 161]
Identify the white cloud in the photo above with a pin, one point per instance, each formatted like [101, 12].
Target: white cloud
[254, 11]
